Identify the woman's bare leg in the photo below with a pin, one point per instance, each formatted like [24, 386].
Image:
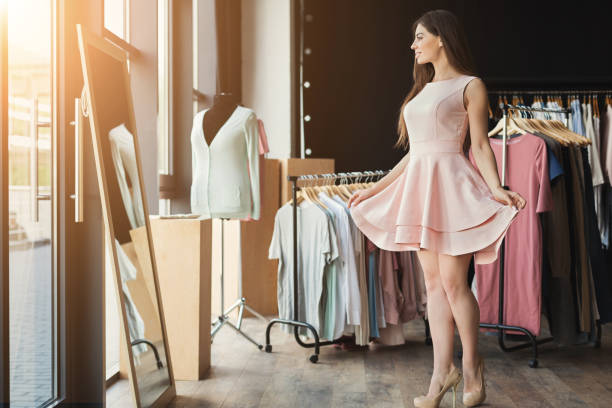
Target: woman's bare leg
[440, 319]
[453, 272]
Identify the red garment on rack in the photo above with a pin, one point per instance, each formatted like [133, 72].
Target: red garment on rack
[527, 175]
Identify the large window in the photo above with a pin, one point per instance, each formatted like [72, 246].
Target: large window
[116, 18]
[32, 274]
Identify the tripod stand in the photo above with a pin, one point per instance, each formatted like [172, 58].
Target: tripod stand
[240, 303]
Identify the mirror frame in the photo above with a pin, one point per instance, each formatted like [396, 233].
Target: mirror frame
[88, 39]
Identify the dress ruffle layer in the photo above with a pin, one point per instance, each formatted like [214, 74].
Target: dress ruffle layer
[441, 203]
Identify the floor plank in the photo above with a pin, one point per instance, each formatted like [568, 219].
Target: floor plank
[243, 376]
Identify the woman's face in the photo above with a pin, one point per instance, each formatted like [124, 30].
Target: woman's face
[426, 46]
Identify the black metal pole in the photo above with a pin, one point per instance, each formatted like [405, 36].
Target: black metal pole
[295, 253]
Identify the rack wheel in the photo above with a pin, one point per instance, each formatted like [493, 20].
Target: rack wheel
[268, 348]
[314, 358]
[259, 346]
[533, 363]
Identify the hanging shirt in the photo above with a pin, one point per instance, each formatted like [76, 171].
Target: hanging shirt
[371, 271]
[527, 175]
[606, 161]
[606, 142]
[353, 301]
[393, 299]
[412, 283]
[593, 148]
[380, 304]
[335, 307]
[329, 304]
[576, 124]
[349, 267]
[225, 175]
[554, 167]
[316, 248]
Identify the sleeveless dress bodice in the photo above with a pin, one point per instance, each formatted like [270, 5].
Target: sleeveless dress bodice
[440, 201]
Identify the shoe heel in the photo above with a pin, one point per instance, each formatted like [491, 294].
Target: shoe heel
[455, 394]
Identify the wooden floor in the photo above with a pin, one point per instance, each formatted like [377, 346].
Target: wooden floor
[242, 376]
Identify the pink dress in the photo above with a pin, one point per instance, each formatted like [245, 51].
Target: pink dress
[440, 201]
[528, 176]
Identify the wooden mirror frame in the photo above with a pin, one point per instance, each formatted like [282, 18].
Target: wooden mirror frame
[86, 39]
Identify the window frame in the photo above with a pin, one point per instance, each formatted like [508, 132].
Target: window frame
[4, 233]
[123, 43]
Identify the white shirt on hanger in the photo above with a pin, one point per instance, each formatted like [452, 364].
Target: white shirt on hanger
[352, 279]
[225, 175]
[317, 247]
[343, 234]
[593, 148]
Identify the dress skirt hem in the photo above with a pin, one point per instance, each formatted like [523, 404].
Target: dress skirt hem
[470, 240]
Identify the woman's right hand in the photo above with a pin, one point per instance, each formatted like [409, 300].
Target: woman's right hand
[360, 195]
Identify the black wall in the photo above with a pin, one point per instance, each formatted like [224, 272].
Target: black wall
[360, 67]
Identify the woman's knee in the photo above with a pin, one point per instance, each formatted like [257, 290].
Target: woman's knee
[453, 275]
[431, 271]
[453, 287]
[432, 280]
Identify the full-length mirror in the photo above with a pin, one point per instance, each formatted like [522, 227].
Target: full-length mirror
[128, 235]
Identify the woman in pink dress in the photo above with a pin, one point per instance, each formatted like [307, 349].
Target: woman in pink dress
[435, 202]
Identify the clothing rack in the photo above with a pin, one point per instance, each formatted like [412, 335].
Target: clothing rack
[295, 322]
[532, 342]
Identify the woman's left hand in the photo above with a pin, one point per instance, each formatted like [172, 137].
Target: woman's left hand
[509, 198]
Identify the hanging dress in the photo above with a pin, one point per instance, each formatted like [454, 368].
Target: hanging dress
[439, 202]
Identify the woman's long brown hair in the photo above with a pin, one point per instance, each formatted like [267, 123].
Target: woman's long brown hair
[441, 23]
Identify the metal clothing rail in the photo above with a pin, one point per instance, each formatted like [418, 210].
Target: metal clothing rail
[532, 342]
[295, 322]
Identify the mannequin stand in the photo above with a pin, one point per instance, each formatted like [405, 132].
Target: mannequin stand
[240, 303]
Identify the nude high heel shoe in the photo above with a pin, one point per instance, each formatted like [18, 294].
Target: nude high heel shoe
[474, 398]
[452, 381]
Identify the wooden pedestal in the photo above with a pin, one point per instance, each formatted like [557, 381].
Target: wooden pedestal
[183, 254]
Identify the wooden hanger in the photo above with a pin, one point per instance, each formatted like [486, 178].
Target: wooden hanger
[512, 127]
[312, 193]
[525, 124]
[343, 192]
[328, 185]
[545, 127]
[332, 189]
[559, 129]
[335, 189]
[299, 198]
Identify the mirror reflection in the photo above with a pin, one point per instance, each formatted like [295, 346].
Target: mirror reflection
[111, 107]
